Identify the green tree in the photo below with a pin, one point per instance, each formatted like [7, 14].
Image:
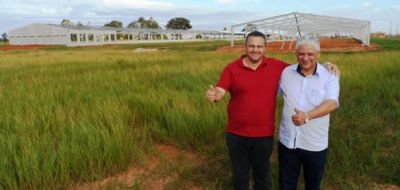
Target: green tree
[79, 24]
[5, 37]
[178, 23]
[134, 24]
[143, 23]
[114, 24]
[67, 22]
[151, 23]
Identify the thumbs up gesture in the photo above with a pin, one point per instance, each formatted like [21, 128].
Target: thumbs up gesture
[211, 94]
[299, 117]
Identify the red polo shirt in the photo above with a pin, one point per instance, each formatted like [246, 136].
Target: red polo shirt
[251, 109]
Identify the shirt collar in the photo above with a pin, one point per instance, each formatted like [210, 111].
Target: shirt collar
[316, 70]
[263, 63]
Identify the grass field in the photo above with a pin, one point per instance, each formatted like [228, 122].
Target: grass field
[3, 43]
[387, 44]
[71, 115]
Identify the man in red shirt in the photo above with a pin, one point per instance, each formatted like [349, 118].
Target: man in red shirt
[252, 81]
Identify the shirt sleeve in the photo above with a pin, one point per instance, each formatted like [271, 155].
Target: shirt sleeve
[225, 79]
[332, 89]
[280, 91]
[281, 80]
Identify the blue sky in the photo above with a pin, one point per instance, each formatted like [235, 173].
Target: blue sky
[204, 14]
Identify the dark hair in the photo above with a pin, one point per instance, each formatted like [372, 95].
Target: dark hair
[256, 33]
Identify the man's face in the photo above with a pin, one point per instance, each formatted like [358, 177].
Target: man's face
[255, 48]
[307, 56]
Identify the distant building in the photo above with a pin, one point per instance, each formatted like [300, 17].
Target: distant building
[378, 35]
[51, 34]
[48, 34]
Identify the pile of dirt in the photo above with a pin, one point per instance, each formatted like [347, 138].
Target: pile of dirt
[150, 174]
[141, 50]
[327, 45]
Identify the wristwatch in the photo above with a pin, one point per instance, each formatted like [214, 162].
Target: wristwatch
[306, 120]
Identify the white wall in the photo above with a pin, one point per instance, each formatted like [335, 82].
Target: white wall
[44, 34]
[38, 34]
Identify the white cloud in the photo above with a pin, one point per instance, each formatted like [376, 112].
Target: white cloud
[396, 7]
[226, 1]
[47, 11]
[366, 4]
[376, 10]
[140, 4]
[303, 5]
[90, 14]
[52, 11]
[203, 15]
[29, 9]
[65, 11]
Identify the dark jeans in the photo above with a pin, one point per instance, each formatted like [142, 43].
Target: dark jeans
[250, 153]
[290, 162]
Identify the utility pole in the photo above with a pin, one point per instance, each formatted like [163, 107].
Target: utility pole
[390, 28]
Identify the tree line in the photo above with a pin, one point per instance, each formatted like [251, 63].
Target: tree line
[4, 37]
[141, 22]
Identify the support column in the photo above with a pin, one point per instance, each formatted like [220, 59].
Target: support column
[283, 44]
[232, 37]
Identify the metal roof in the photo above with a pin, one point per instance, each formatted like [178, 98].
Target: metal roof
[297, 24]
[82, 27]
[307, 23]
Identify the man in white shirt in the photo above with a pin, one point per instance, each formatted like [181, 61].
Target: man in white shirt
[310, 93]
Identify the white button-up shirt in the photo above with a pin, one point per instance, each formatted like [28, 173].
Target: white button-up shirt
[306, 94]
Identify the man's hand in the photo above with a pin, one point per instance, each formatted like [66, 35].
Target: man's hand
[211, 94]
[215, 94]
[332, 68]
[298, 118]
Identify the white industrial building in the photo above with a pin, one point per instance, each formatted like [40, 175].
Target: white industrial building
[51, 34]
[138, 34]
[288, 27]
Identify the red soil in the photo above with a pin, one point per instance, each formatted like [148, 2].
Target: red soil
[327, 45]
[22, 47]
[148, 175]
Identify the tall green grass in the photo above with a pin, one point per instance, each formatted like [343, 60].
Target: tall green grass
[76, 114]
[387, 43]
[365, 130]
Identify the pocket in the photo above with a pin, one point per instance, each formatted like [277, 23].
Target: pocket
[316, 96]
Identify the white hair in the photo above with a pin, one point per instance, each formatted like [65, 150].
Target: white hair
[309, 40]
